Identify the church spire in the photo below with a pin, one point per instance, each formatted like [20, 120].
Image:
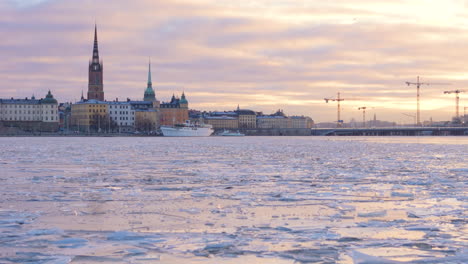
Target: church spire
[95, 80]
[95, 47]
[149, 92]
[150, 83]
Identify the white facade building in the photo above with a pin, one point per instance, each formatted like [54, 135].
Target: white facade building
[123, 115]
[27, 110]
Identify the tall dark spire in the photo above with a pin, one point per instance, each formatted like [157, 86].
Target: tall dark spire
[95, 47]
[95, 84]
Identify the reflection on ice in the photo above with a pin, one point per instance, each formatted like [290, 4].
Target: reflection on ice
[218, 200]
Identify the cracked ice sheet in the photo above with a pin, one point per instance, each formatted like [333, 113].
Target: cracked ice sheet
[228, 200]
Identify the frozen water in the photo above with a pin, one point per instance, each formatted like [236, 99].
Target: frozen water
[233, 200]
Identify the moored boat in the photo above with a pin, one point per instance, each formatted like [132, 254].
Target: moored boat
[227, 133]
[187, 129]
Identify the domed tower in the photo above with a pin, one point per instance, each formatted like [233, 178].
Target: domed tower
[183, 101]
[49, 108]
[49, 99]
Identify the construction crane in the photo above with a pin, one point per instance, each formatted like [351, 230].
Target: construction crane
[418, 84]
[363, 108]
[338, 99]
[464, 113]
[457, 100]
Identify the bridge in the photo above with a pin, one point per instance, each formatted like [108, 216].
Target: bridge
[392, 131]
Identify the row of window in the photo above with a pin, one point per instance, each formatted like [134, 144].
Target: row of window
[125, 124]
[123, 118]
[28, 106]
[95, 110]
[120, 112]
[119, 106]
[24, 118]
[29, 112]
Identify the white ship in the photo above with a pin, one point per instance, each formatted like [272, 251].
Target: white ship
[187, 130]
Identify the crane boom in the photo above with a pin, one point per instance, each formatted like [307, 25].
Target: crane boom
[457, 100]
[338, 99]
[418, 85]
[363, 108]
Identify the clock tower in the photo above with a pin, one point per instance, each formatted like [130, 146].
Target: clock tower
[95, 82]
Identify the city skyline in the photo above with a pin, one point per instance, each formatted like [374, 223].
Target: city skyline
[222, 54]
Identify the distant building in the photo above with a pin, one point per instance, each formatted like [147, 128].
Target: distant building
[165, 113]
[174, 112]
[90, 116]
[238, 119]
[247, 118]
[222, 122]
[30, 114]
[115, 116]
[146, 120]
[95, 73]
[276, 120]
[64, 110]
[122, 114]
[280, 120]
[301, 122]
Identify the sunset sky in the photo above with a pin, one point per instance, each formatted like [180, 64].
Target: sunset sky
[261, 54]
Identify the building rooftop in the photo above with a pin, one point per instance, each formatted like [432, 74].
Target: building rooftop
[220, 117]
[271, 117]
[20, 101]
[49, 99]
[245, 112]
[92, 101]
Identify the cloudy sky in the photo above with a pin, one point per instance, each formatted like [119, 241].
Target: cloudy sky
[260, 54]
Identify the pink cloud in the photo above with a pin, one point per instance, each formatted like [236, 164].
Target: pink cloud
[221, 54]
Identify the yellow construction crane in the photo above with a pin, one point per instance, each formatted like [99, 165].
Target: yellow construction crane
[418, 84]
[457, 100]
[337, 99]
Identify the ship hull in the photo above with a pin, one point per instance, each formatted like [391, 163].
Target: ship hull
[186, 131]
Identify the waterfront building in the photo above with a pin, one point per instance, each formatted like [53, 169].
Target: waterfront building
[146, 120]
[90, 116]
[64, 110]
[174, 112]
[122, 115]
[95, 73]
[301, 122]
[116, 116]
[222, 122]
[30, 114]
[238, 119]
[280, 120]
[247, 118]
[271, 121]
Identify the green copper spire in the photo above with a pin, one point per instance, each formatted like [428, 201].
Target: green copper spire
[150, 84]
[149, 92]
[183, 100]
